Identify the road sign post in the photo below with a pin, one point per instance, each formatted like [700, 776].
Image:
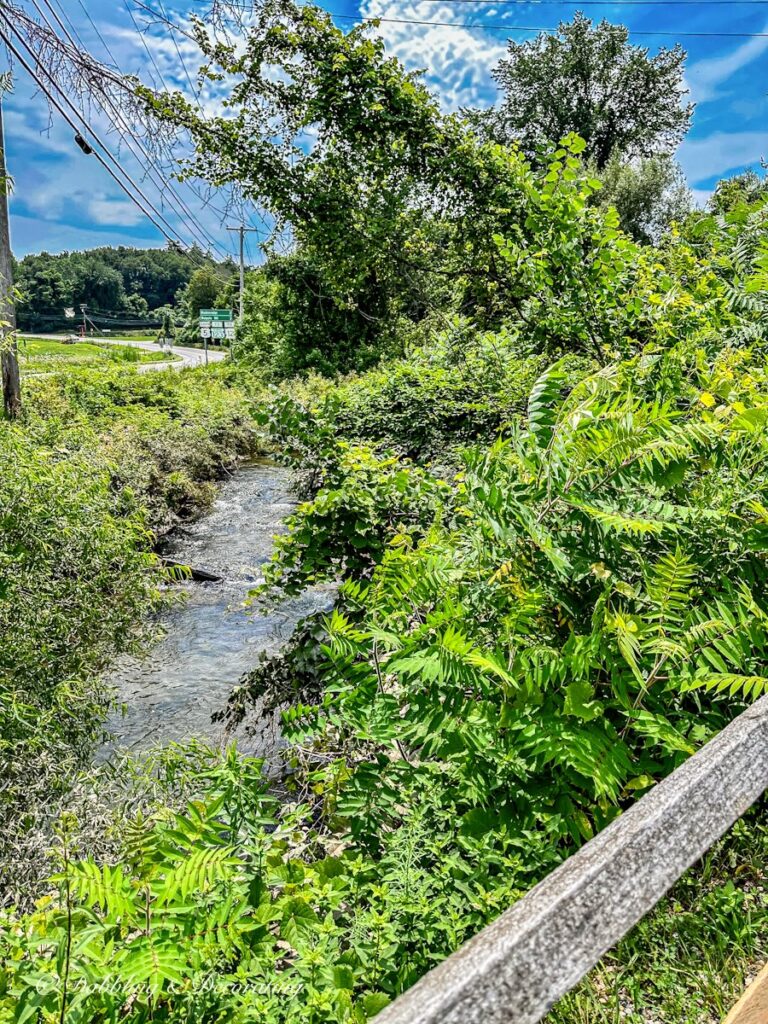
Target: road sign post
[216, 325]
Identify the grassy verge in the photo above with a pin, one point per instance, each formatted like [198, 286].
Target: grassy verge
[690, 959]
[41, 355]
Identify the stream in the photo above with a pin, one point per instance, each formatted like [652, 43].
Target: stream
[209, 639]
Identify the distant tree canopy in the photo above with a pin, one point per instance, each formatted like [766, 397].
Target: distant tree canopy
[590, 80]
[648, 193]
[119, 283]
[746, 188]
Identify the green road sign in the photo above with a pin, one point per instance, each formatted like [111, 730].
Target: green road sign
[216, 314]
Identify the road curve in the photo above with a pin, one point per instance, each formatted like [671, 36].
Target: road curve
[187, 356]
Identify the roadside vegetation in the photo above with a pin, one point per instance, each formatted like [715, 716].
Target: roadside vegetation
[103, 463]
[529, 438]
[692, 957]
[43, 355]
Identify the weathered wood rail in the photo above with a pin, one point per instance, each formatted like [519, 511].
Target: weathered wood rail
[517, 968]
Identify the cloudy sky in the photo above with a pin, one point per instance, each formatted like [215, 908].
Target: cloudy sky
[65, 200]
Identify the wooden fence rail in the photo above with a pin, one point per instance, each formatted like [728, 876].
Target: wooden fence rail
[517, 968]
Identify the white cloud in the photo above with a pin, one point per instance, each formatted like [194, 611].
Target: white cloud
[457, 61]
[103, 209]
[714, 156]
[704, 77]
[28, 234]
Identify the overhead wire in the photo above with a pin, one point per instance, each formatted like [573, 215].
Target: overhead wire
[137, 27]
[85, 124]
[197, 233]
[195, 92]
[153, 172]
[534, 28]
[149, 53]
[174, 27]
[126, 3]
[101, 38]
[196, 256]
[472, 25]
[55, 103]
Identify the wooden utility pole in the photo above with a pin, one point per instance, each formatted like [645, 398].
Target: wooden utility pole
[8, 351]
[242, 229]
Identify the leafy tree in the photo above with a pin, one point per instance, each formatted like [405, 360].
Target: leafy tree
[136, 305]
[747, 188]
[649, 193]
[201, 292]
[167, 331]
[590, 80]
[391, 203]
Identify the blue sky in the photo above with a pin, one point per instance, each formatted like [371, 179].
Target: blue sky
[65, 200]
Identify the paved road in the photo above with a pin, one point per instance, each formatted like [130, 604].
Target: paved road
[188, 356]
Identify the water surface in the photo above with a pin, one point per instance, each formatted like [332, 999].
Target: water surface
[211, 639]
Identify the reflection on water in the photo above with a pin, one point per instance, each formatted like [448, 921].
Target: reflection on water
[211, 639]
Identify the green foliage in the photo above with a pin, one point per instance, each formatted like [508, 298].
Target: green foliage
[239, 909]
[119, 282]
[365, 501]
[101, 464]
[514, 656]
[44, 355]
[690, 960]
[591, 81]
[542, 525]
[649, 194]
[167, 331]
[582, 577]
[746, 189]
[461, 388]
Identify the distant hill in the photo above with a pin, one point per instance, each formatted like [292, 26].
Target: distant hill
[121, 287]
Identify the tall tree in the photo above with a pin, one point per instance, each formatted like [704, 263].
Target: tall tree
[590, 80]
[201, 292]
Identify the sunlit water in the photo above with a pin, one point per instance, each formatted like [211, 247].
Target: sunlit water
[211, 639]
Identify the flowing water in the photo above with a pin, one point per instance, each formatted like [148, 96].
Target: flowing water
[211, 639]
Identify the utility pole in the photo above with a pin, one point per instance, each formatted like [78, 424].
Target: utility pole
[8, 348]
[241, 228]
[83, 308]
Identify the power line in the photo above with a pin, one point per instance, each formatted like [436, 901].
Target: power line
[534, 28]
[480, 25]
[149, 164]
[184, 65]
[199, 236]
[52, 99]
[89, 128]
[205, 201]
[98, 33]
[196, 232]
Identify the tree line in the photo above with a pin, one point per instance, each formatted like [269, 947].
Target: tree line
[116, 284]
